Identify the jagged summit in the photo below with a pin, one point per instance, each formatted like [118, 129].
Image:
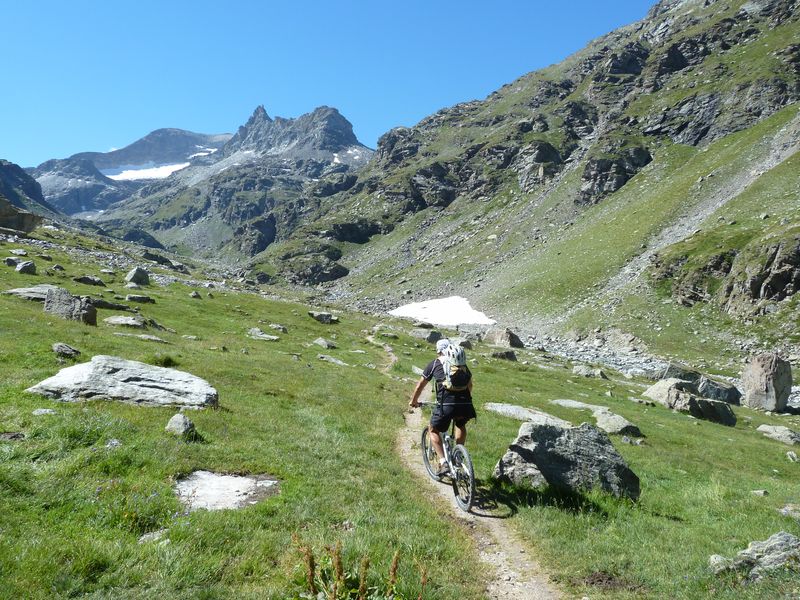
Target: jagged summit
[314, 135]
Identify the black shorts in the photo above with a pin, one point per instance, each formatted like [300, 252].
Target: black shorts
[443, 414]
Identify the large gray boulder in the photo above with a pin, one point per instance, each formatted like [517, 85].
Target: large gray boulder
[780, 434]
[767, 382]
[113, 378]
[604, 418]
[429, 335]
[135, 322]
[503, 337]
[521, 413]
[661, 389]
[575, 458]
[138, 275]
[678, 371]
[718, 390]
[781, 550]
[180, 425]
[325, 318]
[60, 302]
[27, 267]
[716, 411]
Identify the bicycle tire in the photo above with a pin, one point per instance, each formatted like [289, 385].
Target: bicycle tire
[429, 457]
[463, 478]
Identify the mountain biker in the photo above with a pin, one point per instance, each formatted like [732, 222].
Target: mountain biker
[453, 404]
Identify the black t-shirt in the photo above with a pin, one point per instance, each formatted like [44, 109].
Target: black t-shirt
[435, 371]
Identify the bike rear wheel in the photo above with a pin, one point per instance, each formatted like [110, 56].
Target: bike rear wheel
[429, 457]
[463, 478]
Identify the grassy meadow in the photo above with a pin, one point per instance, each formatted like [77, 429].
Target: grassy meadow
[72, 510]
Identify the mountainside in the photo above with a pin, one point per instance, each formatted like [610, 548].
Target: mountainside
[22, 191]
[235, 204]
[91, 181]
[547, 202]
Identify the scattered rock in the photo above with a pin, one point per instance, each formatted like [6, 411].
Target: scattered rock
[257, 334]
[132, 286]
[575, 458]
[57, 267]
[792, 456]
[12, 436]
[138, 275]
[26, 267]
[660, 390]
[718, 390]
[278, 327]
[143, 336]
[502, 337]
[701, 408]
[520, 413]
[65, 350]
[791, 510]
[19, 252]
[113, 443]
[195, 294]
[102, 303]
[780, 433]
[505, 355]
[60, 302]
[126, 321]
[327, 344]
[323, 317]
[43, 411]
[767, 382]
[36, 293]
[587, 371]
[213, 491]
[761, 493]
[429, 335]
[180, 425]
[605, 419]
[11, 261]
[781, 550]
[332, 360]
[113, 378]
[140, 299]
[678, 371]
[89, 280]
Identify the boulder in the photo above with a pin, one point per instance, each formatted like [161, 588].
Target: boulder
[12, 261]
[323, 317]
[89, 280]
[60, 302]
[43, 411]
[521, 413]
[586, 371]
[139, 298]
[138, 275]
[180, 425]
[143, 336]
[125, 321]
[26, 267]
[767, 382]
[36, 292]
[103, 303]
[429, 335]
[780, 551]
[718, 390]
[327, 344]
[505, 355]
[678, 371]
[65, 350]
[113, 378]
[257, 334]
[605, 419]
[278, 327]
[502, 337]
[780, 434]
[574, 458]
[332, 360]
[660, 390]
[701, 408]
[463, 342]
[195, 294]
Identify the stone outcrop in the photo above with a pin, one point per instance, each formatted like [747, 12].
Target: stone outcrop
[323, 317]
[701, 408]
[503, 337]
[780, 434]
[60, 302]
[36, 293]
[520, 413]
[138, 275]
[17, 219]
[574, 458]
[780, 551]
[603, 176]
[767, 382]
[605, 419]
[660, 390]
[180, 425]
[128, 381]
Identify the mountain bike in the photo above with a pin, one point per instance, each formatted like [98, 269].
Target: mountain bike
[461, 475]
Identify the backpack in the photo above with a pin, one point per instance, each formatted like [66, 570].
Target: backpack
[455, 369]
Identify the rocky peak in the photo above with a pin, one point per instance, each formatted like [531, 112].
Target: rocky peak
[22, 190]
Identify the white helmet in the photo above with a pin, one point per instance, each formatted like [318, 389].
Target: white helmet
[455, 355]
[442, 345]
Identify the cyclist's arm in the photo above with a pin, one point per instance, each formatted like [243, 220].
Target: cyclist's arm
[417, 391]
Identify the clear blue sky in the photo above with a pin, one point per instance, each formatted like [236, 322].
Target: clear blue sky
[91, 75]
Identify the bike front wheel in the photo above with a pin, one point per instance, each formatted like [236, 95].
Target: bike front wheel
[429, 457]
[463, 478]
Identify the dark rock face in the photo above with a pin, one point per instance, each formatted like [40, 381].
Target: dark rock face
[141, 237]
[575, 458]
[603, 176]
[357, 231]
[701, 408]
[254, 236]
[14, 218]
[22, 191]
[780, 551]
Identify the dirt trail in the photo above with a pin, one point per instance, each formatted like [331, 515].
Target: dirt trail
[515, 575]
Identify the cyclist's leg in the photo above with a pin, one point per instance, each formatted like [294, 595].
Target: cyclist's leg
[436, 440]
[440, 421]
[461, 431]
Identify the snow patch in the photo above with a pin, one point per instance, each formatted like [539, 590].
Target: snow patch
[161, 172]
[212, 491]
[445, 312]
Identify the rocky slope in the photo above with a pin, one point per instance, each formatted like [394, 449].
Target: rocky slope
[253, 192]
[91, 181]
[546, 202]
[22, 191]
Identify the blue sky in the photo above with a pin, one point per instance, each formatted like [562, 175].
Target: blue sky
[91, 75]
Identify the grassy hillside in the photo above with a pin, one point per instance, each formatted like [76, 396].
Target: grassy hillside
[72, 509]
